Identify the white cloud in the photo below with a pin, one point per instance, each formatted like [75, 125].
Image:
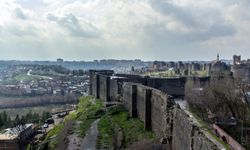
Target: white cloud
[88, 29]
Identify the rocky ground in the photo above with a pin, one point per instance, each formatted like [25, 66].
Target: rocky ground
[86, 143]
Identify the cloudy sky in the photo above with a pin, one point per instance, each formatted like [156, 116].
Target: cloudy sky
[124, 29]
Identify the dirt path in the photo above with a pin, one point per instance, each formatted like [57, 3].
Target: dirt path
[88, 142]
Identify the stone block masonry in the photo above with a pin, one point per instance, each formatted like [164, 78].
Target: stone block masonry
[148, 99]
[104, 89]
[186, 132]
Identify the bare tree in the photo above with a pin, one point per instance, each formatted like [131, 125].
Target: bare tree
[193, 95]
[224, 97]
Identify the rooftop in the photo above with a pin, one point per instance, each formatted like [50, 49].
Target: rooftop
[12, 133]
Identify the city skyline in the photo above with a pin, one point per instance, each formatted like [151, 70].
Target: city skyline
[137, 29]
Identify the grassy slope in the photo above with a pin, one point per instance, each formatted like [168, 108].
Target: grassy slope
[132, 128]
[88, 111]
[25, 77]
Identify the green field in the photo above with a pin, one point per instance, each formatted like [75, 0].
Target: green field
[171, 73]
[27, 78]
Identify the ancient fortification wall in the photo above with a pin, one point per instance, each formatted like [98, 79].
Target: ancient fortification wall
[94, 81]
[241, 71]
[128, 98]
[104, 87]
[173, 86]
[95, 85]
[192, 138]
[148, 104]
[113, 90]
[161, 117]
[148, 99]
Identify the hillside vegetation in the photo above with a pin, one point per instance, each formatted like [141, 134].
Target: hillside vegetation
[116, 129]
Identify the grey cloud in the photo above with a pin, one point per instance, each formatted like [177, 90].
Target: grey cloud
[180, 14]
[216, 30]
[159, 35]
[75, 27]
[203, 26]
[20, 14]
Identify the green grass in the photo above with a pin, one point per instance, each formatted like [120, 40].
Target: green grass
[54, 132]
[106, 131]
[132, 128]
[200, 73]
[28, 147]
[172, 73]
[50, 137]
[87, 112]
[169, 73]
[25, 77]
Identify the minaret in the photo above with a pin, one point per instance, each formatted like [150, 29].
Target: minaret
[218, 57]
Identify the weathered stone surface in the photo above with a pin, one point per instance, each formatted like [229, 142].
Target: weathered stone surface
[146, 99]
[188, 136]
[104, 87]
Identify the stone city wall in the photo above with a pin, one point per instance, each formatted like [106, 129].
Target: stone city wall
[187, 135]
[104, 87]
[148, 99]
